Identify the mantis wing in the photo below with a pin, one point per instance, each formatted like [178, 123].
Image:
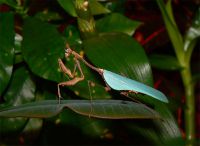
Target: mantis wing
[118, 82]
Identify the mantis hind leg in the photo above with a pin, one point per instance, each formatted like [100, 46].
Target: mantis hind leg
[126, 93]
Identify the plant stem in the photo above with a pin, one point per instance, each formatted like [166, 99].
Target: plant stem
[190, 105]
[85, 19]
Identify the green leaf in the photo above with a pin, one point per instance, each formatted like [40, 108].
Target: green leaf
[96, 7]
[47, 15]
[116, 22]
[116, 6]
[41, 47]
[11, 3]
[21, 87]
[109, 109]
[68, 6]
[161, 132]
[6, 49]
[92, 127]
[72, 35]
[168, 128]
[121, 54]
[21, 90]
[164, 62]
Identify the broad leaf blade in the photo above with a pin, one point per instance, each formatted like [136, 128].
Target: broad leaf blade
[68, 6]
[21, 90]
[164, 62]
[97, 8]
[41, 48]
[119, 53]
[92, 127]
[168, 128]
[116, 22]
[109, 109]
[48, 16]
[6, 49]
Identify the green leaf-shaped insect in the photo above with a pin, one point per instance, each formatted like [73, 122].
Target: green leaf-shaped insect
[112, 80]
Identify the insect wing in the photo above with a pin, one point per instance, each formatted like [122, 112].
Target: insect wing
[118, 82]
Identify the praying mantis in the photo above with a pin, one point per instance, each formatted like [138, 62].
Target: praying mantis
[112, 80]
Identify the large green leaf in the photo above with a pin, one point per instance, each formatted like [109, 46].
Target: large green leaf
[109, 109]
[165, 62]
[92, 127]
[116, 22]
[116, 6]
[6, 48]
[68, 6]
[96, 7]
[168, 128]
[121, 54]
[22, 87]
[41, 47]
[72, 35]
[161, 132]
[21, 90]
[48, 16]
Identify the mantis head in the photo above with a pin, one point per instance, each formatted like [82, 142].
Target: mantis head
[68, 51]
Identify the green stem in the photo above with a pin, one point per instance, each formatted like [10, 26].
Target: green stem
[190, 105]
[184, 59]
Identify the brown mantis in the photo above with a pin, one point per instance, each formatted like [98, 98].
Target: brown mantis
[74, 80]
[112, 80]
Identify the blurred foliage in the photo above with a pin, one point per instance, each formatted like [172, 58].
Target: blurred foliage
[33, 34]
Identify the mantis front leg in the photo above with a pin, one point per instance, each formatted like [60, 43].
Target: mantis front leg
[67, 71]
